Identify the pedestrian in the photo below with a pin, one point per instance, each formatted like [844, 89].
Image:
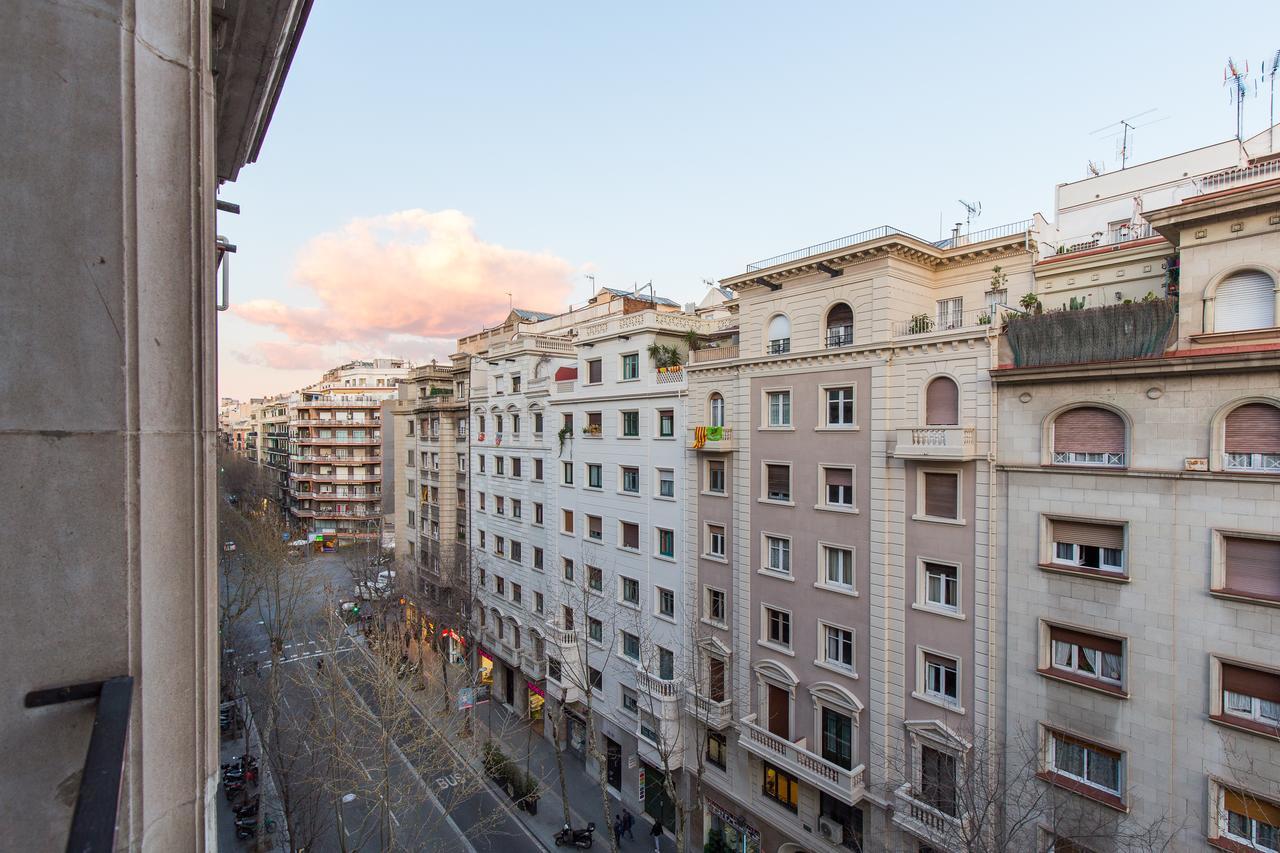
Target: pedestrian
[628, 821]
[656, 834]
[617, 830]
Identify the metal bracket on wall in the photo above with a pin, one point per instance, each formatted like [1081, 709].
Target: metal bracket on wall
[225, 250]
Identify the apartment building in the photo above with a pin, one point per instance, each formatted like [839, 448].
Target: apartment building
[431, 482]
[1140, 451]
[335, 444]
[618, 498]
[841, 524]
[272, 417]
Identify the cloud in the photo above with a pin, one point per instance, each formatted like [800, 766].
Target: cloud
[387, 280]
[286, 355]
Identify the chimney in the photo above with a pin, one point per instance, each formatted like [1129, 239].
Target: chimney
[955, 233]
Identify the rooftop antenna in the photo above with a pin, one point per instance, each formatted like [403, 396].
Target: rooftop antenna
[1096, 169]
[1234, 77]
[972, 210]
[1122, 130]
[510, 301]
[1271, 125]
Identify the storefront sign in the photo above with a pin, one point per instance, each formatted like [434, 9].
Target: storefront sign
[736, 823]
[642, 784]
[534, 688]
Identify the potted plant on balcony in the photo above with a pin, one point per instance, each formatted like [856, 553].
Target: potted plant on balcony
[1031, 303]
[565, 432]
[920, 323]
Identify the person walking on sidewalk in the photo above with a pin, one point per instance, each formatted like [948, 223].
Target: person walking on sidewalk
[628, 821]
[617, 830]
[656, 834]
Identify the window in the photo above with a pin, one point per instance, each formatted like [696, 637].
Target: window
[480, 459]
[779, 333]
[666, 483]
[839, 325]
[630, 590]
[1089, 435]
[666, 664]
[1084, 762]
[517, 593]
[595, 677]
[537, 513]
[483, 583]
[837, 485]
[777, 627]
[499, 546]
[1085, 657]
[630, 424]
[630, 366]
[938, 779]
[1248, 820]
[500, 585]
[777, 552]
[777, 482]
[631, 480]
[838, 566]
[1252, 438]
[566, 615]
[715, 476]
[717, 749]
[650, 728]
[481, 543]
[630, 535]
[941, 678]
[666, 602]
[537, 558]
[595, 476]
[666, 423]
[595, 528]
[568, 569]
[1250, 697]
[500, 504]
[781, 787]
[630, 700]
[516, 551]
[595, 424]
[1249, 568]
[1244, 300]
[595, 578]
[553, 669]
[566, 520]
[941, 498]
[515, 466]
[837, 738]
[568, 473]
[951, 313]
[666, 542]
[839, 407]
[714, 604]
[1088, 545]
[630, 645]
[537, 423]
[515, 419]
[942, 402]
[717, 410]
[837, 645]
[410, 458]
[594, 372]
[715, 540]
[778, 405]
[941, 586]
[516, 508]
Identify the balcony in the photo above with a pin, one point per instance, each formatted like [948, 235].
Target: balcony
[1106, 333]
[532, 666]
[848, 786]
[954, 443]
[711, 439]
[977, 320]
[669, 376]
[666, 693]
[708, 354]
[370, 441]
[712, 714]
[922, 820]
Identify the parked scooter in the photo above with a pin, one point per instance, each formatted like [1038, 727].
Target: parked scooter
[246, 828]
[580, 838]
[233, 788]
[249, 809]
[240, 762]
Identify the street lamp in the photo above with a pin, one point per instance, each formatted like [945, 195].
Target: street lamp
[342, 824]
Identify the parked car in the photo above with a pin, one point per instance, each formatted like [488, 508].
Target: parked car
[379, 587]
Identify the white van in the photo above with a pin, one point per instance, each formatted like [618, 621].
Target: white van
[380, 587]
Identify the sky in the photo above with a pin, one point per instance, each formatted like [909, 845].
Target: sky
[429, 164]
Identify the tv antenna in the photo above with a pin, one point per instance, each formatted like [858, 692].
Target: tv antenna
[1123, 131]
[1236, 80]
[1095, 169]
[1271, 125]
[972, 210]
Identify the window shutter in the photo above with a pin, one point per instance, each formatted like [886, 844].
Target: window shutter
[942, 403]
[1245, 300]
[1253, 566]
[779, 328]
[839, 477]
[1253, 428]
[1251, 682]
[1087, 533]
[938, 660]
[1089, 641]
[1251, 806]
[631, 535]
[593, 371]
[940, 495]
[779, 478]
[1088, 429]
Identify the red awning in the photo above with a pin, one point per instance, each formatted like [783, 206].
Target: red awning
[566, 374]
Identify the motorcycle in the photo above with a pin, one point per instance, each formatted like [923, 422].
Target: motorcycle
[249, 809]
[233, 789]
[240, 762]
[246, 828]
[580, 838]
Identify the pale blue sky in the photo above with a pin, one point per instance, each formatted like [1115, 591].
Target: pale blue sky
[677, 142]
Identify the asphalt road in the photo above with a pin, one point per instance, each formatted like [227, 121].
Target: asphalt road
[417, 788]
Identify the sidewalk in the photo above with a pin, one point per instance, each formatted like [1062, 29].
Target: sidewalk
[583, 787]
[269, 802]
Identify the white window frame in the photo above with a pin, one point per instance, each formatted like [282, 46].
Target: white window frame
[1075, 561]
[709, 551]
[657, 544]
[1266, 462]
[706, 477]
[766, 410]
[824, 581]
[922, 681]
[1050, 758]
[658, 480]
[599, 470]
[767, 553]
[850, 669]
[823, 424]
[622, 592]
[622, 479]
[764, 639]
[707, 591]
[623, 635]
[959, 520]
[1222, 819]
[630, 700]
[1072, 664]
[822, 504]
[923, 601]
[657, 603]
[764, 482]
[622, 367]
[1107, 459]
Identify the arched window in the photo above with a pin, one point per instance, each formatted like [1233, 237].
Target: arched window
[942, 402]
[1089, 435]
[1252, 440]
[779, 335]
[1244, 300]
[717, 410]
[839, 325]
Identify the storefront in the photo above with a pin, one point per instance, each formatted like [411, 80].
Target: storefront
[575, 733]
[535, 698]
[653, 794]
[485, 665]
[738, 835]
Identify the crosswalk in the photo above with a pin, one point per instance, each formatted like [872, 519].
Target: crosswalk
[299, 651]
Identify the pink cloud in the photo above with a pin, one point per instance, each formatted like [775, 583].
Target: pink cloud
[411, 274]
[287, 355]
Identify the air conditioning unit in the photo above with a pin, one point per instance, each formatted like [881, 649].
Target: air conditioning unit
[831, 830]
